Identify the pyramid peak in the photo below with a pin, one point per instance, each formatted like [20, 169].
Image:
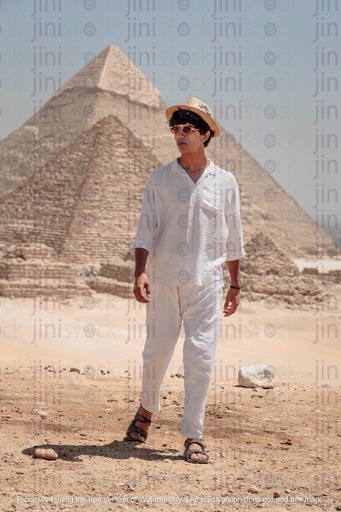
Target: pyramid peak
[112, 71]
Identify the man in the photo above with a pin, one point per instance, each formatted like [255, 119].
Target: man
[189, 226]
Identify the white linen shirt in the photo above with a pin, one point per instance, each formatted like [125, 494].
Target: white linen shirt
[189, 229]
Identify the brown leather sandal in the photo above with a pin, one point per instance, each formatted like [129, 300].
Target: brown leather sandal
[188, 452]
[133, 429]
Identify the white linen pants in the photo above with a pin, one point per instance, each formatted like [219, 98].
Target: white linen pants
[199, 308]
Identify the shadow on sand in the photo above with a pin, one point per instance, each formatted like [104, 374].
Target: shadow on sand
[116, 450]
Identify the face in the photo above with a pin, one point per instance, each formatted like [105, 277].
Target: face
[190, 142]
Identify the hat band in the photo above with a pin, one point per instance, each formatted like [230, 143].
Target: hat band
[204, 109]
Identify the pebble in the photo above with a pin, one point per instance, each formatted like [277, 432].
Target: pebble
[253, 489]
[45, 453]
[277, 494]
[39, 412]
[338, 507]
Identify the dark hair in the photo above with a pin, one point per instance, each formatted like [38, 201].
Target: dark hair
[182, 116]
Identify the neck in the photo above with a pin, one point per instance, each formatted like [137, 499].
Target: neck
[193, 164]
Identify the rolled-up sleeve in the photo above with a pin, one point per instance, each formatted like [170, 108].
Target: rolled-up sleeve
[234, 246]
[147, 228]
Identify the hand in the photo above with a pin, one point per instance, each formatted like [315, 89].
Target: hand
[142, 288]
[232, 301]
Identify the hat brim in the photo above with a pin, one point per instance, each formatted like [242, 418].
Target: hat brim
[208, 119]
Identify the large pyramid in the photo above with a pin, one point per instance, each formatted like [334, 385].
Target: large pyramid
[73, 174]
[110, 85]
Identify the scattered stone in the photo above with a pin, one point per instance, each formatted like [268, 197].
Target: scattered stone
[253, 489]
[256, 376]
[277, 494]
[75, 370]
[50, 369]
[45, 453]
[338, 507]
[39, 412]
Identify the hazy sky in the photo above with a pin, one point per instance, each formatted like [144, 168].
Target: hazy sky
[270, 69]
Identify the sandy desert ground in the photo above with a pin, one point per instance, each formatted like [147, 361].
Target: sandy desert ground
[277, 449]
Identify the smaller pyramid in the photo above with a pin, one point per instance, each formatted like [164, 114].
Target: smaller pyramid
[84, 203]
[269, 274]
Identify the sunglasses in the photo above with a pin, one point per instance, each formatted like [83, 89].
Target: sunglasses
[186, 129]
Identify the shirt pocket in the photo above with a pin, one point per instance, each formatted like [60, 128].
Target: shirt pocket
[210, 201]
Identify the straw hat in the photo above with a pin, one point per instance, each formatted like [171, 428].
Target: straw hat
[200, 108]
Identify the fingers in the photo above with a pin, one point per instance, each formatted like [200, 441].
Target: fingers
[231, 303]
[230, 308]
[142, 291]
[141, 295]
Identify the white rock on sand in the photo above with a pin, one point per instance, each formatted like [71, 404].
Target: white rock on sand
[256, 376]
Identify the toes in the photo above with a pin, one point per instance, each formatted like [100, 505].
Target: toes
[198, 456]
